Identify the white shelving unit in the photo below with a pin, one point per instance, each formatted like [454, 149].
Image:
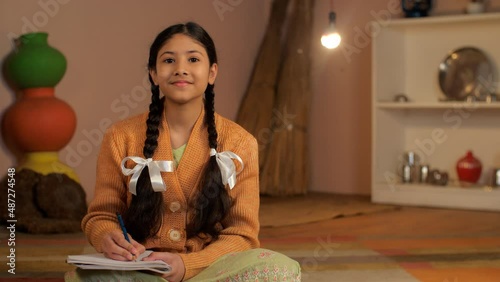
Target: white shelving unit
[406, 56]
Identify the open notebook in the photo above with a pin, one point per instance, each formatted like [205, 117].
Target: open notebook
[99, 261]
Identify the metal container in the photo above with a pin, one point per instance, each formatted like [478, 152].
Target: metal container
[410, 158]
[407, 175]
[496, 178]
[423, 174]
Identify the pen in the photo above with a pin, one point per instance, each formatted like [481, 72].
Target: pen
[122, 225]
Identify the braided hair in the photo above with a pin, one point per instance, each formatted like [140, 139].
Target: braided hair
[212, 203]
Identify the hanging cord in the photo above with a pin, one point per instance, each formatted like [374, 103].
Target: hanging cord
[331, 15]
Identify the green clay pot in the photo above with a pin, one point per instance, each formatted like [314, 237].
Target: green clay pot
[34, 63]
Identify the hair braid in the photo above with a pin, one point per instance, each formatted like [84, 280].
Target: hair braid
[153, 123]
[143, 217]
[213, 201]
[210, 116]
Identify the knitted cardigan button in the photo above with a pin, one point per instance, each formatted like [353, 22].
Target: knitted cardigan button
[174, 234]
[175, 206]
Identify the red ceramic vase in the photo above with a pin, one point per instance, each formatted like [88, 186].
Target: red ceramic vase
[39, 121]
[469, 168]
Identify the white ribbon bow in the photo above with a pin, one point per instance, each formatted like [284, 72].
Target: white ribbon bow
[154, 168]
[227, 167]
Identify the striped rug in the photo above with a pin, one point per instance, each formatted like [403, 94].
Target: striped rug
[409, 244]
[330, 258]
[400, 245]
[323, 258]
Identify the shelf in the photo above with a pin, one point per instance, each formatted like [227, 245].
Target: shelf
[444, 19]
[487, 199]
[406, 55]
[437, 105]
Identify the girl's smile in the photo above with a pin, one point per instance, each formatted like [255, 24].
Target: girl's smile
[181, 83]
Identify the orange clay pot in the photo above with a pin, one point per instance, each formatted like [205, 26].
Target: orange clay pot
[38, 121]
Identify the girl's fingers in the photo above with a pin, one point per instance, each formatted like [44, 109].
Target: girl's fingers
[115, 246]
[139, 247]
[122, 242]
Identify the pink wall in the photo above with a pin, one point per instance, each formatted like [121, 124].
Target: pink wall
[106, 44]
[341, 78]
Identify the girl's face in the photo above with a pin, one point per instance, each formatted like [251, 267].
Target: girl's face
[183, 70]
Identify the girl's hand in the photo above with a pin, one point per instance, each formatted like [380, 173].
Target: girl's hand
[114, 246]
[174, 260]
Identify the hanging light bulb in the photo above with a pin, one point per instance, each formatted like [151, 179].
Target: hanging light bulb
[331, 38]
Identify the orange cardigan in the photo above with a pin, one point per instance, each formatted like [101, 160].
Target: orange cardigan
[126, 138]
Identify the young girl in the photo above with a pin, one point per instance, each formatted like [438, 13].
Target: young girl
[184, 178]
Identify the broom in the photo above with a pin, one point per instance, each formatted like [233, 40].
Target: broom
[256, 109]
[286, 164]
